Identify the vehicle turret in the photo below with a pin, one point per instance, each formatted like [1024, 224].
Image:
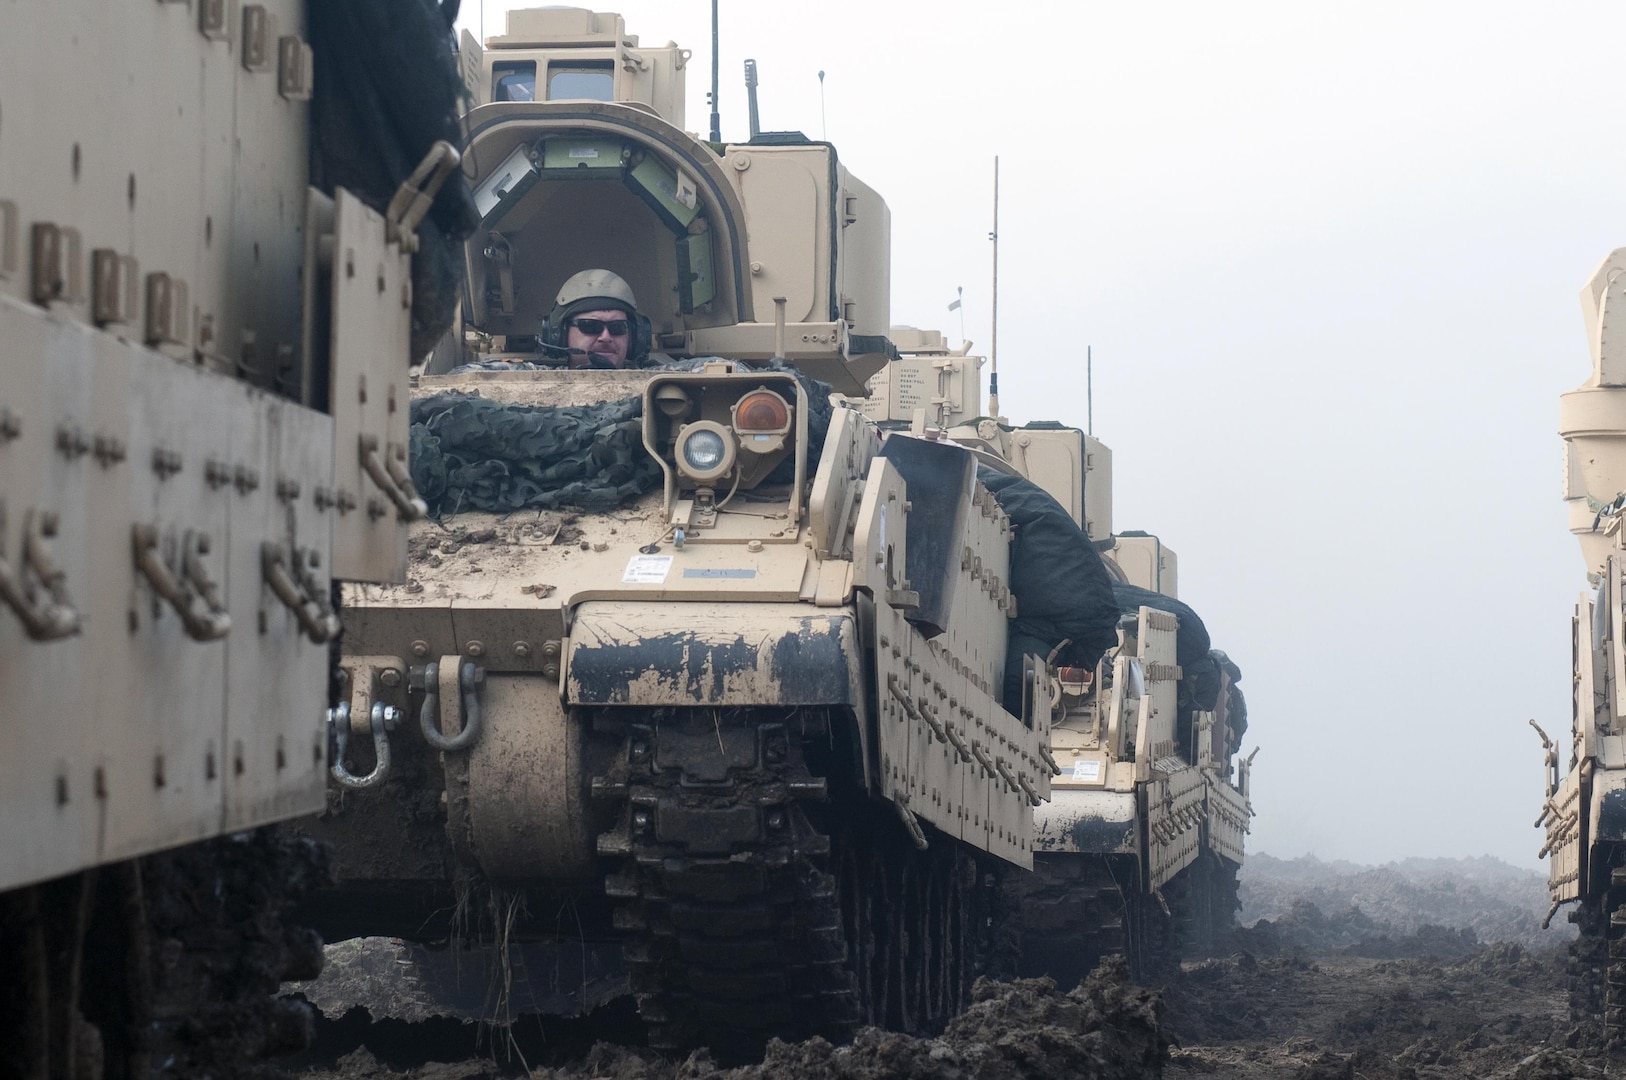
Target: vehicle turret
[747, 250]
[1592, 417]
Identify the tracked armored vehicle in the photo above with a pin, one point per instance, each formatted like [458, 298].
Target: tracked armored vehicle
[696, 687]
[1138, 848]
[1584, 809]
[208, 317]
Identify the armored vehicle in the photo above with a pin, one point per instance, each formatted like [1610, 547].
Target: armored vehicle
[203, 416]
[697, 687]
[1584, 809]
[1138, 848]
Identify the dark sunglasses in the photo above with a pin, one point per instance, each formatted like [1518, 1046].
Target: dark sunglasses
[595, 327]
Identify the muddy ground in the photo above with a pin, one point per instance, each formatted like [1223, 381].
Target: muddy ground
[1432, 1004]
[1498, 902]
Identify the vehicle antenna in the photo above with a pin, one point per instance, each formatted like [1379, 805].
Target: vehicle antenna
[993, 343]
[751, 96]
[959, 303]
[716, 120]
[824, 128]
[1089, 391]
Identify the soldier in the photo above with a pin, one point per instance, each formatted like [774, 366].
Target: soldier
[596, 318]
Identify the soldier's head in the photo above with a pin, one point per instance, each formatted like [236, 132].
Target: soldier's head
[598, 315]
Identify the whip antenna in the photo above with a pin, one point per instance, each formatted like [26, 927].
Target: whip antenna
[716, 120]
[824, 129]
[751, 96]
[993, 344]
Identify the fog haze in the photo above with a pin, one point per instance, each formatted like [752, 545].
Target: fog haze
[1328, 259]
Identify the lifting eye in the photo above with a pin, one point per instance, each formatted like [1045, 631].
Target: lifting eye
[761, 412]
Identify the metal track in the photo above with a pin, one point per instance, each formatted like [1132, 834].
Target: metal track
[1203, 900]
[1614, 990]
[1597, 957]
[723, 884]
[169, 964]
[1077, 909]
[919, 923]
[1588, 961]
[759, 902]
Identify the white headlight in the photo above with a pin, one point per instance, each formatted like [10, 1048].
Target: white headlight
[705, 451]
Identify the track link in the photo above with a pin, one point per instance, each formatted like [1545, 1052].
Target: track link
[1203, 900]
[762, 893]
[1076, 909]
[723, 882]
[1597, 957]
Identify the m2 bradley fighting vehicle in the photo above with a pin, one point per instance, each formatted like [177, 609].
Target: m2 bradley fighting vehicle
[1137, 850]
[207, 317]
[1584, 812]
[693, 674]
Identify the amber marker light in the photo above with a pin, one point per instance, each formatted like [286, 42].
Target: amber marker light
[761, 412]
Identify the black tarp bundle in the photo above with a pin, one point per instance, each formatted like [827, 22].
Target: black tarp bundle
[387, 88]
[1063, 592]
[1236, 705]
[471, 453]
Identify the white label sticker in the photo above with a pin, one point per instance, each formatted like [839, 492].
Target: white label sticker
[647, 570]
[1088, 772]
[584, 151]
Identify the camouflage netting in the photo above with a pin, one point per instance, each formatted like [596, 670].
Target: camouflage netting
[472, 453]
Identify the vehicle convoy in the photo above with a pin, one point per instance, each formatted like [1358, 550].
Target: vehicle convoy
[1138, 848]
[208, 312]
[705, 685]
[1584, 811]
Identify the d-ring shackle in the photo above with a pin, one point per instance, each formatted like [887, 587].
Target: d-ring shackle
[379, 724]
[470, 678]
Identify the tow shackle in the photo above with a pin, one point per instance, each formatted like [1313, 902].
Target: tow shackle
[470, 678]
[380, 722]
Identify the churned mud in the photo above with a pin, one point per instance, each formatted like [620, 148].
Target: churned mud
[1434, 1005]
[1301, 995]
[1106, 1027]
[1498, 1011]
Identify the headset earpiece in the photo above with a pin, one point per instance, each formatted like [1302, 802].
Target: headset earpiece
[553, 331]
[642, 341]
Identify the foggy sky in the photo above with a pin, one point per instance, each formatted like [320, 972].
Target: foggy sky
[1328, 257]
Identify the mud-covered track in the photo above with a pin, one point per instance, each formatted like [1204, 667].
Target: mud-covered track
[754, 905]
[1075, 910]
[915, 922]
[167, 964]
[722, 882]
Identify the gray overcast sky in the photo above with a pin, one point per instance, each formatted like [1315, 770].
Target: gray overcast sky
[1328, 256]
